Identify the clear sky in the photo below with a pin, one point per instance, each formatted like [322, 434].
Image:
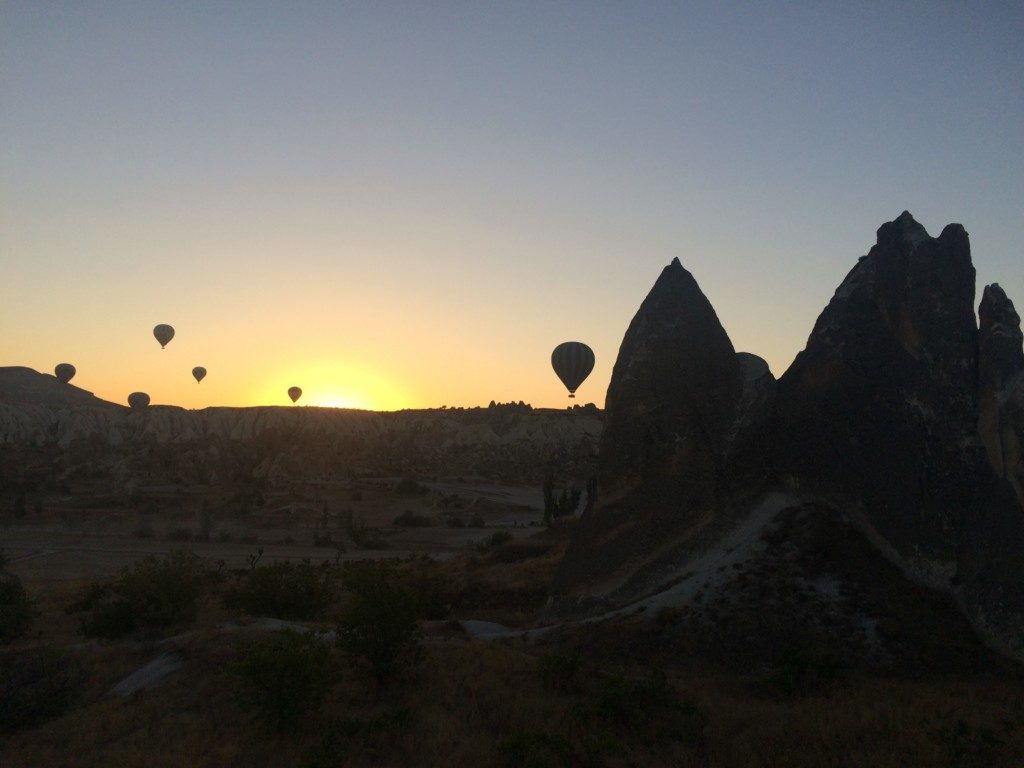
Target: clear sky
[410, 204]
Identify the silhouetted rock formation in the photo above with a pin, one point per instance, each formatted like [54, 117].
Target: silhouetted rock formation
[876, 423]
[881, 406]
[1001, 387]
[670, 418]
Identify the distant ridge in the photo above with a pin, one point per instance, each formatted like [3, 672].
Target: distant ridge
[22, 386]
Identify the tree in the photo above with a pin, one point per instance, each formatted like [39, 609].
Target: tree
[380, 622]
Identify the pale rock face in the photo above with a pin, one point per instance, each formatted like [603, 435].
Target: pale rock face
[318, 440]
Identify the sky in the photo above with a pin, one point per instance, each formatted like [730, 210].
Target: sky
[398, 205]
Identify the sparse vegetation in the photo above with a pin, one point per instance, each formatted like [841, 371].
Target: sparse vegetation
[298, 591]
[36, 685]
[284, 677]
[494, 540]
[410, 519]
[379, 624]
[154, 594]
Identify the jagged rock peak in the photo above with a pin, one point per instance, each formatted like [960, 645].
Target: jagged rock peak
[998, 317]
[904, 229]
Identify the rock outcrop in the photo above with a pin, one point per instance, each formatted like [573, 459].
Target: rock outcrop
[672, 413]
[1001, 387]
[881, 406]
[889, 424]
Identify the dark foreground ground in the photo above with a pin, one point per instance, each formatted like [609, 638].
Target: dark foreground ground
[227, 685]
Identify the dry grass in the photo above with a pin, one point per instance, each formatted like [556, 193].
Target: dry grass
[467, 698]
[472, 703]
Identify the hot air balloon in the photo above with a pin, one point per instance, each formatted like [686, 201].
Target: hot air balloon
[138, 401]
[294, 393]
[65, 372]
[199, 373]
[573, 361]
[164, 333]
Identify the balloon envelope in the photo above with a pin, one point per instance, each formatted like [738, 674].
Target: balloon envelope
[294, 393]
[199, 373]
[65, 372]
[138, 400]
[573, 361]
[163, 333]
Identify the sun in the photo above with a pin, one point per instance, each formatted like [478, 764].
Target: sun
[334, 384]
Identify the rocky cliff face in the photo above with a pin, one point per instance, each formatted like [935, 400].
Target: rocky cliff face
[889, 421]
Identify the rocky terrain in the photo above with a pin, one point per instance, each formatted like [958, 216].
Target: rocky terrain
[896, 435]
[63, 433]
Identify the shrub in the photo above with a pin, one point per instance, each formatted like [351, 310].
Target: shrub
[648, 709]
[476, 521]
[516, 551]
[560, 670]
[153, 594]
[36, 686]
[284, 591]
[409, 487]
[180, 534]
[380, 622]
[144, 531]
[409, 519]
[496, 539]
[284, 677]
[15, 608]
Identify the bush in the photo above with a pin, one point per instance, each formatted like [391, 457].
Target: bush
[516, 551]
[36, 686]
[646, 709]
[180, 534]
[153, 594]
[284, 677]
[409, 487]
[560, 671]
[284, 591]
[496, 539]
[409, 519]
[380, 622]
[476, 521]
[15, 608]
[144, 531]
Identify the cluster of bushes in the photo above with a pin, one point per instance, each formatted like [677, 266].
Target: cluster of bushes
[293, 591]
[284, 677]
[410, 519]
[155, 593]
[496, 539]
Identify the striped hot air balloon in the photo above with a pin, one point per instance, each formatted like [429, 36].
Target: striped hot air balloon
[573, 361]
